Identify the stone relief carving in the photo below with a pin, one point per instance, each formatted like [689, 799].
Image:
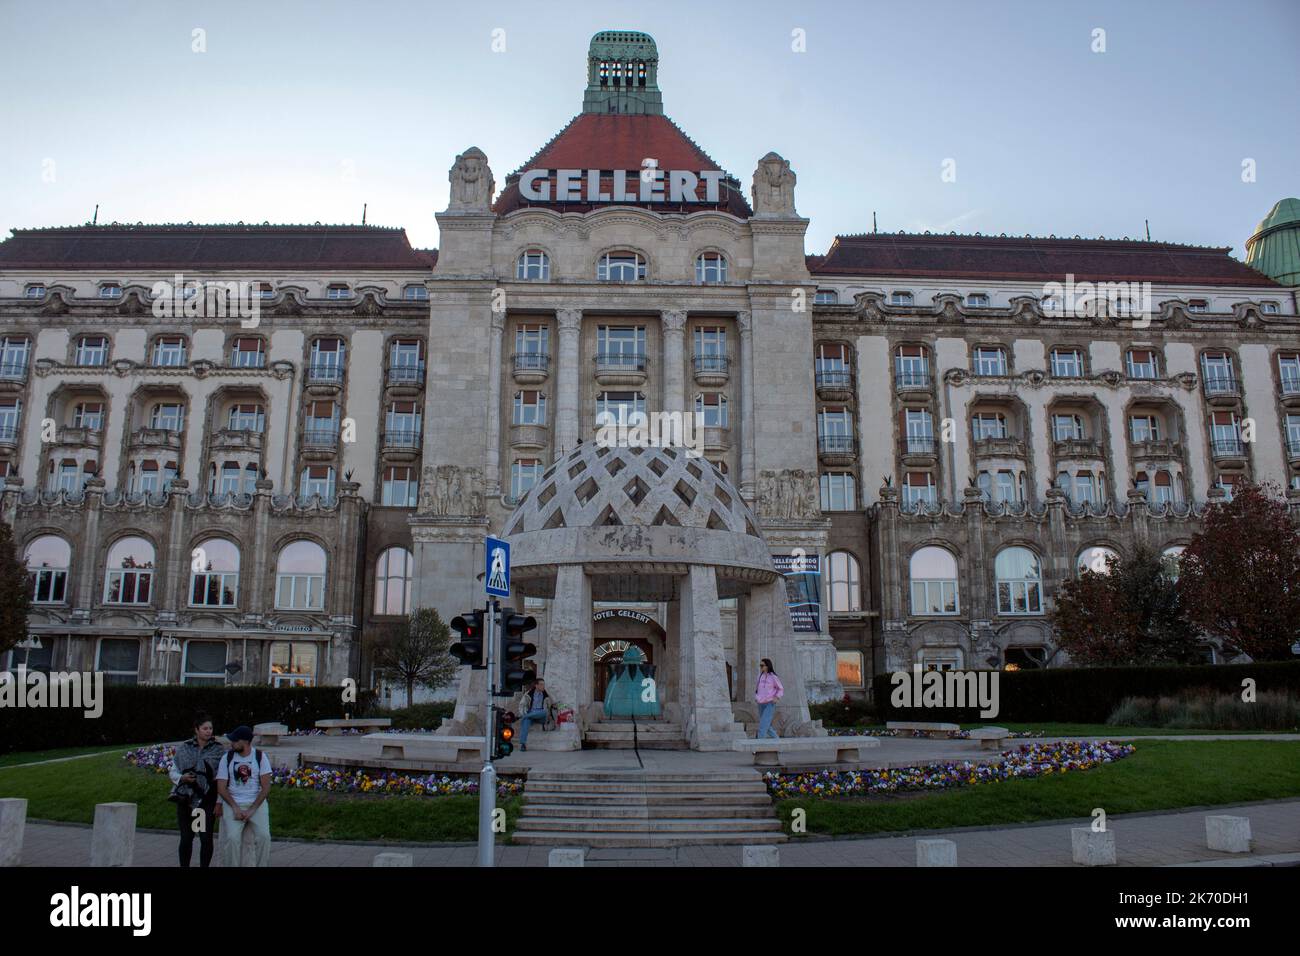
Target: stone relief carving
[773, 188]
[472, 184]
[452, 490]
[788, 493]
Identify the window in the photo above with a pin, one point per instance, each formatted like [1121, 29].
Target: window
[933, 572]
[317, 480]
[1268, 308]
[11, 413]
[393, 581]
[129, 578]
[265, 290]
[835, 429]
[986, 425]
[402, 425]
[621, 346]
[34, 290]
[1010, 486]
[1081, 488]
[711, 267]
[110, 290]
[845, 583]
[293, 664]
[1227, 483]
[1225, 433]
[918, 431]
[1019, 581]
[321, 429]
[1288, 367]
[406, 362]
[214, 574]
[826, 297]
[48, 559]
[710, 349]
[838, 491]
[1066, 427]
[531, 347]
[1293, 435]
[1216, 368]
[1197, 305]
[977, 300]
[88, 415]
[328, 358]
[168, 416]
[1067, 363]
[169, 351]
[1098, 560]
[204, 664]
[92, 351]
[1172, 559]
[1143, 428]
[832, 365]
[530, 408]
[990, 360]
[918, 489]
[247, 417]
[615, 407]
[338, 290]
[712, 409]
[119, 660]
[401, 488]
[300, 577]
[248, 352]
[621, 267]
[233, 478]
[65, 475]
[415, 292]
[1162, 489]
[524, 474]
[533, 265]
[1142, 363]
[849, 668]
[900, 298]
[911, 367]
[14, 353]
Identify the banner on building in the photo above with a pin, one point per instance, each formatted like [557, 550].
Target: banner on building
[803, 588]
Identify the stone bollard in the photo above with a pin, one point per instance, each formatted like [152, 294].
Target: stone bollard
[936, 853]
[112, 843]
[1090, 847]
[760, 856]
[566, 858]
[13, 822]
[394, 859]
[1227, 834]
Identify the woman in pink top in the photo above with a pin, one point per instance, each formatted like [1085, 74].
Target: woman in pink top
[767, 692]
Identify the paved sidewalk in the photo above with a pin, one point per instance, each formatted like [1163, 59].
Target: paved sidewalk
[1160, 839]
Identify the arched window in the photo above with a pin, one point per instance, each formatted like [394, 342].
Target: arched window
[393, 579]
[300, 577]
[1019, 581]
[48, 559]
[214, 574]
[621, 267]
[846, 586]
[1172, 559]
[533, 265]
[934, 581]
[129, 578]
[711, 267]
[1099, 560]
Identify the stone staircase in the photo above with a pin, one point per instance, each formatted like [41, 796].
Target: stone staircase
[650, 735]
[635, 808]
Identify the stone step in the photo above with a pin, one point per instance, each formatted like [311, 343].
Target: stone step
[641, 726]
[642, 733]
[615, 811]
[747, 799]
[584, 838]
[697, 825]
[626, 743]
[646, 776]
[533, 788]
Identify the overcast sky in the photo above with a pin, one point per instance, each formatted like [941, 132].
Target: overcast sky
[303, 111]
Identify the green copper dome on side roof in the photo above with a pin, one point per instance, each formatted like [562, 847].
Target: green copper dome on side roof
[1274, 248]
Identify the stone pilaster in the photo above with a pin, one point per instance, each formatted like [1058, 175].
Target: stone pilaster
[674, 332]
[176, 557]
[748, 473]
[568, 641]
[568, 360]
[768, 633]
[703, 666]
[492, 470]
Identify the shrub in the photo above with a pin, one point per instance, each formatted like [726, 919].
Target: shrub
[420, 716]
[1205, 710]
[846, 712]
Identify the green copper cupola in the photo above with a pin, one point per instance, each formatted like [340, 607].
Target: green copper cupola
[623, 74]
[1274, 248]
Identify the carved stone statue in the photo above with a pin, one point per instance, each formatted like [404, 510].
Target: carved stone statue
[773, 189]
[452, 490]
[472, 185]
[789, 493]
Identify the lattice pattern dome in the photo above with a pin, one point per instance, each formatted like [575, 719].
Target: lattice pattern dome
[597, 486]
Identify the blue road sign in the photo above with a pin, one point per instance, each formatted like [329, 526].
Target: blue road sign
[496, 570]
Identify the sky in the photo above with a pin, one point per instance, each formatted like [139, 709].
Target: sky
[302, 112]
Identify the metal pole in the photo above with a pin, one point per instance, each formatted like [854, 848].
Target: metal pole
[487, 781]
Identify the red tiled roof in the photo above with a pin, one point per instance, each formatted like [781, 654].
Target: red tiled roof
[223, 247]
[1033, 258]
[610, 141]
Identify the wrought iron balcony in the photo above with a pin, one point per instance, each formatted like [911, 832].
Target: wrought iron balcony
[1227, 448]
[325, 373]
[316, 438]
[406, 375]
[1221, 387]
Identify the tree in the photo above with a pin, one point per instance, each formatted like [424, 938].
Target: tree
[416, 652]
[1239, 578]
[15, 592]
[1128, 613]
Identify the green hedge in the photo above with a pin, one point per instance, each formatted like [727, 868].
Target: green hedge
[133, 714]
[1089, 694]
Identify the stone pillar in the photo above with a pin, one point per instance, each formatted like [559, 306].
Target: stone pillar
[258, 590]
[769, 633]
[748, 474]
[176, 558]
[674, 331]
[706, 704]
[492, 478]
[112, 842]
[13, 822]
[88, 550]
[568, 641]
[567, 361]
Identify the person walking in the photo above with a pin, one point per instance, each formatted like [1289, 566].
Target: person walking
[767, 692]
[244, 783]
[194, 790]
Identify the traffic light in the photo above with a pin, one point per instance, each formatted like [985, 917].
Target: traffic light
[469, 649]
[514, 651]
[503, 738]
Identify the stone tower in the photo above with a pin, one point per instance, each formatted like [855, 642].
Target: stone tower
[623, 74]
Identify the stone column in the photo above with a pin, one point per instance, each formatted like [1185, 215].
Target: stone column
[769, 633]
[568, 640]
[493, 465]
[674, 332]
[706, 705]
[748, 475]
[567, 379]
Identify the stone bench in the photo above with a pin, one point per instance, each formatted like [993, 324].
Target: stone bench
[438, 747]
[335, 726]
[768, 751]
[929, 729]
[991, 738]
[268, 735]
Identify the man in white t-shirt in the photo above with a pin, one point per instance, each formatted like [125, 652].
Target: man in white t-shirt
[244, 783]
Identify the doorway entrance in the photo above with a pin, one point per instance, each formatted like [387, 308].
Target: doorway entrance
[611, 652]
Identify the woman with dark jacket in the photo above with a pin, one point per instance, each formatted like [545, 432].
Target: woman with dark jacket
[194, 775]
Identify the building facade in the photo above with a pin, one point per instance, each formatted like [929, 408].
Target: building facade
[937, 430]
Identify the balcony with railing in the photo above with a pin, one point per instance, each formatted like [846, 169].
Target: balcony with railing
[919, 450]
[909, 383]
[620, 368]
[1077, 448]
[711, 371]
[1293, 450]
[156, 438]
[78, 436]
[1228, 449]
[237, 440]
[999, 447]
[1290, 386]
[531, 368]
[325, 377]
[837, 449]
[9, 436]
[320, 441]
[405, 378]
[529, 437]
[13, 375]
[834, 384]
[1221, 389]
[401, 444]
[1155, 449]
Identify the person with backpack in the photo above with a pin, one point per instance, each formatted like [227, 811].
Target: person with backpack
[244, 783]
[194, 790]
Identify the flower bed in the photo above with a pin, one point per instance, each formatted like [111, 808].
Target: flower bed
[920, 734]
[1026, 762]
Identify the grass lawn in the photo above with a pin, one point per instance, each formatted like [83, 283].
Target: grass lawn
[1098, 731]
[34, 756]
[69, 792]
[1160, 775]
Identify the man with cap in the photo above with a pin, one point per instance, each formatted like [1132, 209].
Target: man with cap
[244, 783]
